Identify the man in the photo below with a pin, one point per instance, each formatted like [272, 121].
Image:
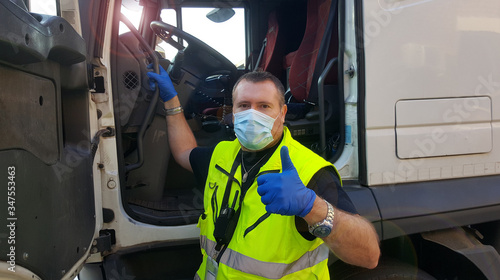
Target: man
[264, 212]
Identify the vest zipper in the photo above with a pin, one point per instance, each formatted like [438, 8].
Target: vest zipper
[218, 254]
[267, 172]
[215, 207]
[266, 215]
[260, 220]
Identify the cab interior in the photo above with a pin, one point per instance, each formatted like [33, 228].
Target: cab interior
[296, 40]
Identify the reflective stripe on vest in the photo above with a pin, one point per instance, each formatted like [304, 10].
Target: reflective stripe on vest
[268, 270]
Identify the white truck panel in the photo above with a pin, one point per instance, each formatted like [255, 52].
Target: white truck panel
[451, 53]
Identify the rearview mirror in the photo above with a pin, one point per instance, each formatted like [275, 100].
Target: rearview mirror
[132, 5]
[220, 14]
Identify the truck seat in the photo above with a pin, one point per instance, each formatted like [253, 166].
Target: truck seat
[319, 43]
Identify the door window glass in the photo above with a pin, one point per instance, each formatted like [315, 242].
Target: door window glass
[45, 7]
[133, 14]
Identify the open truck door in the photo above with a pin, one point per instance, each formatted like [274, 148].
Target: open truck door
[48, 210]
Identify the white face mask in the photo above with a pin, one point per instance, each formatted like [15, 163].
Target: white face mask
[253, 129]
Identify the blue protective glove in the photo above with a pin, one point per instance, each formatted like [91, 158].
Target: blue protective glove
[284, 193]
[167, 90]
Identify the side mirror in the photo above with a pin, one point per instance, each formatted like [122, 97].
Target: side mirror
[220, 14]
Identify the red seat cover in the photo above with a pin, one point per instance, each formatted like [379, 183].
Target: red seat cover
[273, 52]
[303, 61]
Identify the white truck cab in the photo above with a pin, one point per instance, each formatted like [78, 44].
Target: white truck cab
[403, 97]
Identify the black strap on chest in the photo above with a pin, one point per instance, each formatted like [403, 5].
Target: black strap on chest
[227, 220]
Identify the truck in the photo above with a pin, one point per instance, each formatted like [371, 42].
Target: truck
[403, 97]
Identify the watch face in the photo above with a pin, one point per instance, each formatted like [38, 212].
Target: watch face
[322, 231]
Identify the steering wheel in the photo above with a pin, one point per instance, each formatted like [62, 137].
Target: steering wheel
[202, 58]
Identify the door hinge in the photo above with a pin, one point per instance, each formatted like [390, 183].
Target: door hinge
[104, 242]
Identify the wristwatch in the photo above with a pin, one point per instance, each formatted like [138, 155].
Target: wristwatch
[323, 228]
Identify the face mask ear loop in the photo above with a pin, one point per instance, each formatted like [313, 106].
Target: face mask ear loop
[277, 116]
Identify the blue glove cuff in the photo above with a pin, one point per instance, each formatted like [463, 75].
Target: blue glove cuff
[309, 205]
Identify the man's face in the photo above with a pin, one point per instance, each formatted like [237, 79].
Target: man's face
[263, 97]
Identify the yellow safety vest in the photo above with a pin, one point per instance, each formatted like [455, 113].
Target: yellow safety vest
[264, 246]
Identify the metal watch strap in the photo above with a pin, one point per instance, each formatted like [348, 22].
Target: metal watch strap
[328, 221]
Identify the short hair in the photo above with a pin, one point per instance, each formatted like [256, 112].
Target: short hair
[261, 76]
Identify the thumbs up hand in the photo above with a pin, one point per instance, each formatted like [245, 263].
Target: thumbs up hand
[284, 193]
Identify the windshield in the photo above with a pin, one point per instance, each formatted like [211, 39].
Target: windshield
[228, 37]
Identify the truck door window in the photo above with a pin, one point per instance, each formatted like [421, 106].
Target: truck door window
[133, 13]
[45, 7]
[166, 50]
[228, 37]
